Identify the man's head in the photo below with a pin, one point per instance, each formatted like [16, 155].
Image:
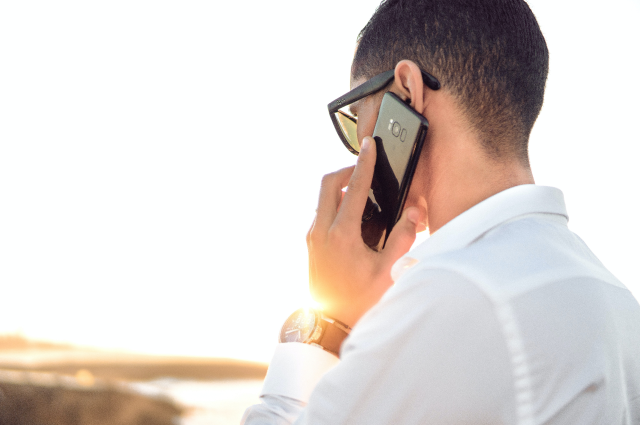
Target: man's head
[490, 55]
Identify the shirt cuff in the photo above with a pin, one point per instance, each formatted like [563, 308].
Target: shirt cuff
[295, 369]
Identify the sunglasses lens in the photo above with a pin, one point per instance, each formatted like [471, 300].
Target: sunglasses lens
[349, 127]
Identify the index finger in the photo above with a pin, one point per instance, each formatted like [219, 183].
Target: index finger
[357, 193]
[330, 198]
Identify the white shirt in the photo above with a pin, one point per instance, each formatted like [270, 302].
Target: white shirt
[503, 316]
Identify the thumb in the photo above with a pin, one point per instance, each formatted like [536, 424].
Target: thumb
[402, 236]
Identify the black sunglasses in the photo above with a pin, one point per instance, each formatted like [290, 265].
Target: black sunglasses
[346, 124]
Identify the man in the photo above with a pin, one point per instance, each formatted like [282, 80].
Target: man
[503, 316]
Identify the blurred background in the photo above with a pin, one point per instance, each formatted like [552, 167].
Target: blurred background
[160, 162]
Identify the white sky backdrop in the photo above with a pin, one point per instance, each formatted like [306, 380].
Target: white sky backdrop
[160, 160]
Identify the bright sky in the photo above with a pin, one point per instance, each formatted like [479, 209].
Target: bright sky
[160, 160]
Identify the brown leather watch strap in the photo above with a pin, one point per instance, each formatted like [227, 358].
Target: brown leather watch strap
[332, 337]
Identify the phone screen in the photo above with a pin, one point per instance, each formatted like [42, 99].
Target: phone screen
[399, 135]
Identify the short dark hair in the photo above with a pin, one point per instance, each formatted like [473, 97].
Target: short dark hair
[489, 54]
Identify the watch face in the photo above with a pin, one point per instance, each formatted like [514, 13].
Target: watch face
[299, 326]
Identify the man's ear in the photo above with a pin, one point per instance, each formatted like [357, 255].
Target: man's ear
[409, 85]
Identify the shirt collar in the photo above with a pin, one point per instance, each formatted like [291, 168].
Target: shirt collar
[482, 217]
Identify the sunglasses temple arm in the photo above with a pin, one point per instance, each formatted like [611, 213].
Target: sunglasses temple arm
[430, 81]
[375, 84]
[363, 90]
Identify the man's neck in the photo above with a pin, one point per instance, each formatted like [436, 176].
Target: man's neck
[455, 171]
[462, 178]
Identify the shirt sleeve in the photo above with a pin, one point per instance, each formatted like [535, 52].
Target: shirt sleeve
[295, 369]
[293, 372]
[431, 351]
[273, 410]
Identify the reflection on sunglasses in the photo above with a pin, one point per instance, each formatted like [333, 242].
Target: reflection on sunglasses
[349, 127]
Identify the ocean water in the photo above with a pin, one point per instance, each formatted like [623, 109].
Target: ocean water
[206, 402]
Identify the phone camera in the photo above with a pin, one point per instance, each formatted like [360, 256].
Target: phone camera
[396, 129]
[403, 135]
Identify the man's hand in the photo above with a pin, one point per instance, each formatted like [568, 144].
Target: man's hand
[346, 276]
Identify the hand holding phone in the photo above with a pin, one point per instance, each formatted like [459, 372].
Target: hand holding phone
[345, 275]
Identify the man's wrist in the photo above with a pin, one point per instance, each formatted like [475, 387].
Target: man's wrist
[311, 326]
[347, 316]
[334, 334]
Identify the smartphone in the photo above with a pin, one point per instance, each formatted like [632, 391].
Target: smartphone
[399, 136]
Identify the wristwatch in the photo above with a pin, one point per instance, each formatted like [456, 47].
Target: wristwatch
[310, 326]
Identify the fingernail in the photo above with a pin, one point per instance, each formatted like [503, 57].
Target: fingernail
[365, 143]
[413, 216]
